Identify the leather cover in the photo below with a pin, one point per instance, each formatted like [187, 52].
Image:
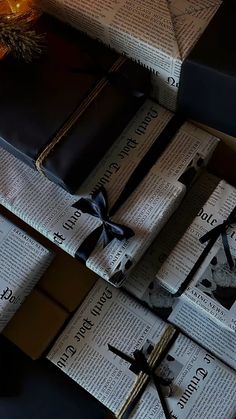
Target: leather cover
[37, 99]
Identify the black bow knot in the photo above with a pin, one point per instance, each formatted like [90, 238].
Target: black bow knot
[97, 207]
[221, 230]
[139, 364]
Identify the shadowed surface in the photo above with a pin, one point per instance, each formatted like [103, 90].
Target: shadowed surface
[38, 390]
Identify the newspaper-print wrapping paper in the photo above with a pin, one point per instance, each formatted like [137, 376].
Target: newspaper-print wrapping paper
[109, 317]
[145, 211]
[213, 286]
[158, 34]
[201, 386]
[22, 262]
[143, 284]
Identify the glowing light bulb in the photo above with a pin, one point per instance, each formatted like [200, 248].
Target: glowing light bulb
[17, 6]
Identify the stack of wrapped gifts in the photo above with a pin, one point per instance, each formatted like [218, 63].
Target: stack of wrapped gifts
[117, 208]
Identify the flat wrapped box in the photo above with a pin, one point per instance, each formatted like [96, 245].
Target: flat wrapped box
[62, 112]
[110, 325]
[23, 261]
[143, 284]
[158, 34]
[202, 265]
[125, 202]
[188, 45]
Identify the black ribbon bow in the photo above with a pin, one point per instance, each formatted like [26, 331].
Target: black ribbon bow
[211, 237]
[97, 207]
[139, 364]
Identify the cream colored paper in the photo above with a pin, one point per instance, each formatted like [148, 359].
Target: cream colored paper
[157, 34]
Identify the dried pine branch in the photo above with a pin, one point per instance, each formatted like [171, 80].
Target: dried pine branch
[23, 42]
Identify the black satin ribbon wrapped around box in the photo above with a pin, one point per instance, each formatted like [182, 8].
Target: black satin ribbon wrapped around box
[60, 114]
[207, 90]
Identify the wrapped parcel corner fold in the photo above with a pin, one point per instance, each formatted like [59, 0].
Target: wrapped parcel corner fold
[53, 212]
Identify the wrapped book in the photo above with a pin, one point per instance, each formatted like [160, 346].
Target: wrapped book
[102, 347]
[23, 261]
[125, 202]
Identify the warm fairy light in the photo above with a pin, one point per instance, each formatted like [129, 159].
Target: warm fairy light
[14, 9]
[17, 6]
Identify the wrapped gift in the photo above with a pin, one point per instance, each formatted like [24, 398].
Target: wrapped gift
[135, 363]
[202, 265]
[192, 382]
[125, 202]
[188, 45]
[157, 34]
[23, 261]
[143, 284]
[61, 113]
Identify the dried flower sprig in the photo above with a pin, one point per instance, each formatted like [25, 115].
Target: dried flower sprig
[23, 42]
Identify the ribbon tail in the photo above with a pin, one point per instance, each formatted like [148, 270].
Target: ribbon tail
[128, 232]
[121, 232]
[195, 268]
[121, 354]
[164, 406]
[212, 235]
[107, 235]
[113, 231]
[227, 250]
[88, 245]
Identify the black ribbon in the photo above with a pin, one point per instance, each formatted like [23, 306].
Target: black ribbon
[97, 207]
[139, 364]
[211, 237]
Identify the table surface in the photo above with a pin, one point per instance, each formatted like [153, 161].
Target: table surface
[38, 390]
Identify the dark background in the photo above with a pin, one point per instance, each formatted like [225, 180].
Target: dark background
[38, 390]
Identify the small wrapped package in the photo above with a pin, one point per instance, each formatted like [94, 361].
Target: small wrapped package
[127, 199]
[125, 202]
[137, 365]
[23, 261]
[202, 265]
[61, 113]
